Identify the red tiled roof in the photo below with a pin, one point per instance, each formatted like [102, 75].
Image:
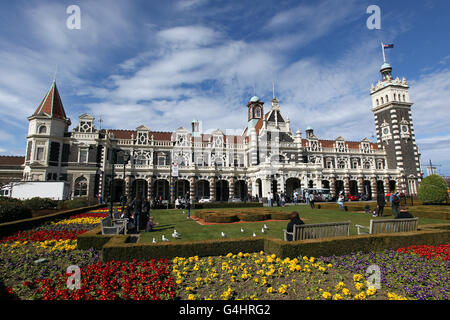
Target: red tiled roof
[52, 104]
[12, 160]
[126, 134]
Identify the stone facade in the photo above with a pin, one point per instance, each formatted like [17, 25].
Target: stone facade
[267, 157]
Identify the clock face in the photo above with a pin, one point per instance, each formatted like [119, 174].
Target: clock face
[405, 129]
[385, 130]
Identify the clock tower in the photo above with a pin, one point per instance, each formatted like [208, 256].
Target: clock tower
[391, 106]
[255, 111]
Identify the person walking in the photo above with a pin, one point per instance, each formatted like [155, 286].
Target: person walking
[381, 202]
[394, 199]
[269, 199]
[145, 214]
[137, 208]
[312, 200]
[341, 200]
[307, 197]
[188, 207]
[295, 197]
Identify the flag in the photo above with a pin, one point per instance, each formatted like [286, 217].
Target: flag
[388, 46]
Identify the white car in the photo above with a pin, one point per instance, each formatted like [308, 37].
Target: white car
[204, 200]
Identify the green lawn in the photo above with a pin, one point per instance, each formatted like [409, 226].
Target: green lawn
[190, 230]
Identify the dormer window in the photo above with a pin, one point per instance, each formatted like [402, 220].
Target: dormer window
[42, 130]
[258, 112]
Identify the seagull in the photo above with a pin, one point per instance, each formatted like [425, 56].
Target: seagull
[242, 230]
[175, 234]
[164, 238]
[223, 234]
[154, 241]
[254, 234]
[263, 230]
[266, 227]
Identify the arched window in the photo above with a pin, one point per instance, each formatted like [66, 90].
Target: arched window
[378, 102]
[341, 164]
[258, 113]
[395, 96]
[382, 100]
[367, 165]
[42, 130]
[387, 98]
[80, 189]
[404, 98]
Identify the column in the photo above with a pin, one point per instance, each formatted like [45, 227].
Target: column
[212, 188]
[149, 188]
[360, 185]
[172, 189]
[333, 186]
[192, 188]
[386, 185]
[373, 186]
[346, 186]
[231, 187]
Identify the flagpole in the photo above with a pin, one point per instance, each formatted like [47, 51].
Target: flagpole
[384, 54]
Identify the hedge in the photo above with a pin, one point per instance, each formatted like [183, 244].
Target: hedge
[9, 228]
[253, 216]
[12, 211]
[433, 189]
[280, 215]
[221, 217]
[215, 205]
[92, 239]
[117, 248]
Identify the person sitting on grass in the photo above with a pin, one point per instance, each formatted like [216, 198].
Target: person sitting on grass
[295, 220]
[150, 225]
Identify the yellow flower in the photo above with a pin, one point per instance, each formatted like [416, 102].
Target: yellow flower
[326, 295]
[371, 291]
[359, 286]
[282, 289]
[346, 291]
[360, 296]
[357, 277]
[269, 290]
[337, 296]
[191, 297]
[393, 296]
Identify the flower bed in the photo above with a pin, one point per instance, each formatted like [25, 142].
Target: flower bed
[114, 280]
[429, 252]
[261, 276]
[412, 276]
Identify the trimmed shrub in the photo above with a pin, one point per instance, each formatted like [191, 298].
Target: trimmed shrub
[73, 204]
[12, 211]
[433, 189]
[280, 215]
[37, 203]
[221, 217]
[213, 205]
[254, 216]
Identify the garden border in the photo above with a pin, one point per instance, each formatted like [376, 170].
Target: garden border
[8, 228]
[116, 247]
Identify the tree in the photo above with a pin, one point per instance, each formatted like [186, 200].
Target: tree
[433, 189]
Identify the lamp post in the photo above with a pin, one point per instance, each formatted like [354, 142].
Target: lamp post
[126, 159]
[113, 155]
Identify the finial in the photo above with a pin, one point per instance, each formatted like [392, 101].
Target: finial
[54, 75]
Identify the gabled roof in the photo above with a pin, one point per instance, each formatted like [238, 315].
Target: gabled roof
[51, 105]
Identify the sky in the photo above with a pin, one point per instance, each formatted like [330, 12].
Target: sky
[164, 63]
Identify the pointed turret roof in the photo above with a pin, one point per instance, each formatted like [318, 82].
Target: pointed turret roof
[51, 105]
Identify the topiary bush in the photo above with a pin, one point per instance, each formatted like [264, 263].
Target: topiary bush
[433, 189]
[254, 216]
[37, 203]
[11, 211]
[221, 218]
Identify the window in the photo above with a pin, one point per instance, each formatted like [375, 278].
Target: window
[258, 112]
[380, 165]
[40, 154]
[395, 96]
[83, 156]
[382, 100]
[42, 130]
[341, 165]
[161, 160]
[80, 189]
[367, 165]
[354, 165]
[378, 102]
[404, 98]
[140, 160]
[387, 98]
